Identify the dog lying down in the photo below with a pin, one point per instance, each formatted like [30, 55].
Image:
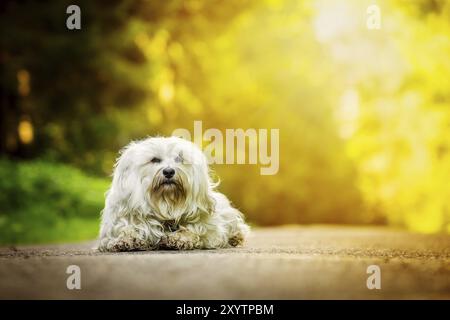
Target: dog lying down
[162, 197]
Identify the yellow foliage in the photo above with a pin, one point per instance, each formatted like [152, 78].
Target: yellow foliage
[363, 114]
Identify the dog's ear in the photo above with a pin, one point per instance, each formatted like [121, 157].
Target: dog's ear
[125, 180]
[202, 186]
[205, 201]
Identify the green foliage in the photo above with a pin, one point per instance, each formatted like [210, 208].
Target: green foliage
[46, 202]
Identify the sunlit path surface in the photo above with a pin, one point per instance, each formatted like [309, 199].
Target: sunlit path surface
[288, 262]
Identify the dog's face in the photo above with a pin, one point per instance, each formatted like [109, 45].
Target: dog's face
[164, 174]
[169, 171]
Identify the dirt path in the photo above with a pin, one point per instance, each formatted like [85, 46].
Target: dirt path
[289, 262]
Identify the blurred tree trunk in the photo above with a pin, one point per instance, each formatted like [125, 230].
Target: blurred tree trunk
[9, 120]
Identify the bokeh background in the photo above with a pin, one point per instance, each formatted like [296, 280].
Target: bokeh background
[364, 115]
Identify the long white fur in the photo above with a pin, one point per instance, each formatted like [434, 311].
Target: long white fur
[141, 213]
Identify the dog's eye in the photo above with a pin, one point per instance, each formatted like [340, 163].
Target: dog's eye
[155, 160]
[179, 159]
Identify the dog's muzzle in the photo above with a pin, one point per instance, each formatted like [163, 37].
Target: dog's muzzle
[165, 184]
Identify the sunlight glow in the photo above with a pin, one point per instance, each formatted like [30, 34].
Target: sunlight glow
[333, 19]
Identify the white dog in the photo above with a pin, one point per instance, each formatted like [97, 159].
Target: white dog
[162, 197]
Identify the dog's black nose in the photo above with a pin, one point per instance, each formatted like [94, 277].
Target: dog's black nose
[168, 172]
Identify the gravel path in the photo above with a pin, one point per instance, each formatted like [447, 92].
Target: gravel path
[276, 263]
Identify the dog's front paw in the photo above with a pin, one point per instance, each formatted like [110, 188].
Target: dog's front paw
[236, 240]
[130, 244]
[181, 240]
[125, 244]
